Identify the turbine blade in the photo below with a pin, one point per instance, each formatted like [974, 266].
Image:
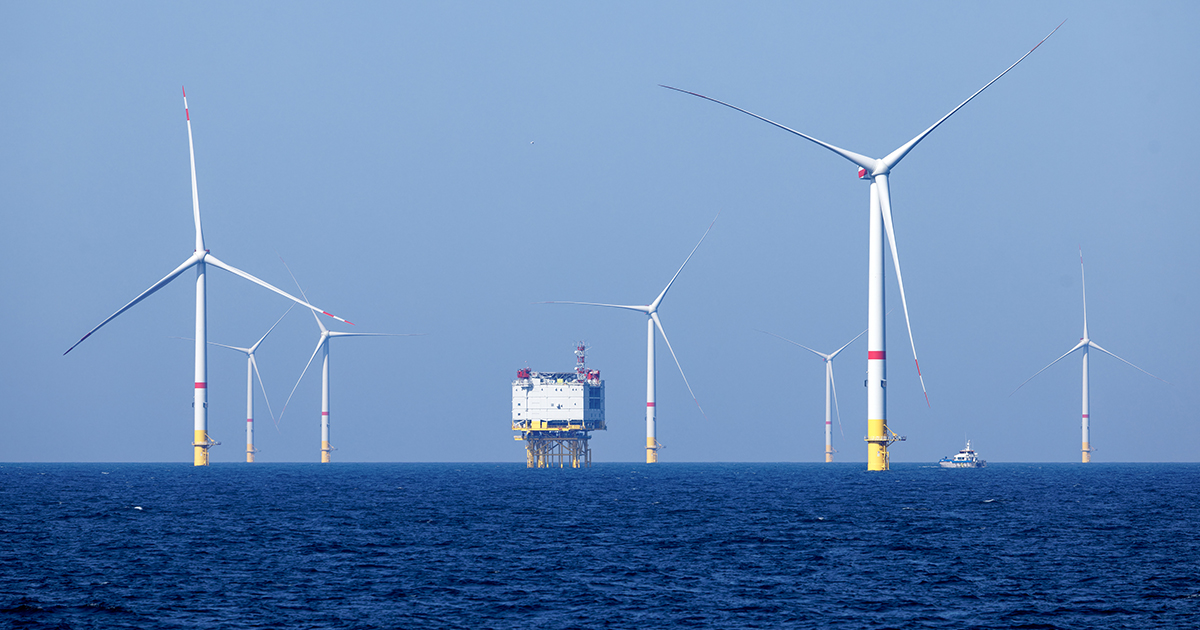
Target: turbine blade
[640, 309]
[894, 157]
[861, 160]
[820, 354]
[245, 351]
[833, 385]
[654, 316]
[1083, 284]
[1077, 346]
[195, 193]
[1093, 344]
[320, 343]
[238, 272]
[192, 260]
[335, 333]
[289, 270]
[261, 339]
[835, 352]
[885, 204]
[658, 300]
[262, 387]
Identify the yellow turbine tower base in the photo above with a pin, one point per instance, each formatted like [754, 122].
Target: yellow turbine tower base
[651, 450]
[200, 445]
[877, 444]
[878, 440]
[1087, 453]
[828, 457]
[249, 453]
[326, 449]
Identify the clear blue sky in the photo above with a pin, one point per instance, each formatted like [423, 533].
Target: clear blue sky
[439, 167]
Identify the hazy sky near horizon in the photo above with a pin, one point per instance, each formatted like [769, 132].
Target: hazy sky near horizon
[440, 167]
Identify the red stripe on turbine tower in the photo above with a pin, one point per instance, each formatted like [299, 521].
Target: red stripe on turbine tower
[1085, 415]
[649, 404]
[324, 413]
[876, 355]
[201, 385]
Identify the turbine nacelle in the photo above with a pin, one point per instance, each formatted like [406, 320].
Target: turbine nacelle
[880, 167]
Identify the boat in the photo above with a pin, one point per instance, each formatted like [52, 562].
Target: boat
[965, 458]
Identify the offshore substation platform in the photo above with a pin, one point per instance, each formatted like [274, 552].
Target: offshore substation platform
[555, 413]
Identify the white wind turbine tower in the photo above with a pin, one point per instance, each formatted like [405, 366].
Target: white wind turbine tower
[200, 259]
[651, 311]
[323, 348]
[1085, 343]
[829, 387]
[877, 171]
[251, 372]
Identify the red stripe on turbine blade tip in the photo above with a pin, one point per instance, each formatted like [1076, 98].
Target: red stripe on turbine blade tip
[201, 385]
[876, 355]
[918, 368]
[338, 318]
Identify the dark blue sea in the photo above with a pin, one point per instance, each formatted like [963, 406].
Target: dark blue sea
[615, 546]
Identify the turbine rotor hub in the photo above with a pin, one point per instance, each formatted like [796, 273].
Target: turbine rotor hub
[869, 175]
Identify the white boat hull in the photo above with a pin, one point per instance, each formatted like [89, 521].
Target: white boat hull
[965, 458]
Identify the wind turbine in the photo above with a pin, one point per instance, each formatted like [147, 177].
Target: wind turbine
[1085, 343]
[651, 311]
[200, 259]
[251, 372]
[323, 348]
[829, 386]
[877, 171]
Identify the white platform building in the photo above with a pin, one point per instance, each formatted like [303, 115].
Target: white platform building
[555, 413]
